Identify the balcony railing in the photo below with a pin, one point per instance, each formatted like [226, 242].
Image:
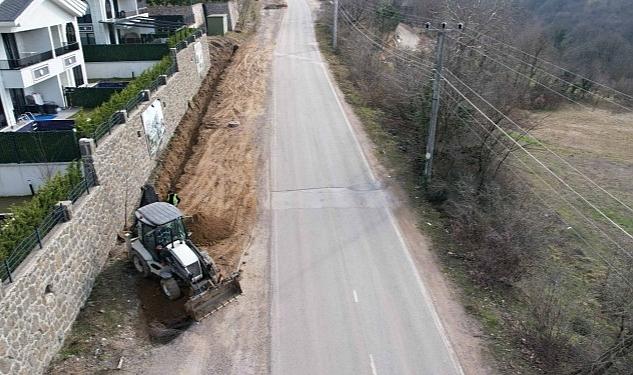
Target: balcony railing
[37, 58]
[129, 13]
[66, 48]
[25, 61]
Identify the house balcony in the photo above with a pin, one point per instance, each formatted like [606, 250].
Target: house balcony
[31, 59]
[30, 70]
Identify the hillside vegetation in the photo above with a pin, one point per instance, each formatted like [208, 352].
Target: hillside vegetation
[530, 187]
[593, 38]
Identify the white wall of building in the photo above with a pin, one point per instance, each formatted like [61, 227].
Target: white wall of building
[117, 69]
[41, 28]
[15, 178]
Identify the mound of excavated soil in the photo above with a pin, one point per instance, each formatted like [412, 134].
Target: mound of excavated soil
[207, 228]
[211, 160]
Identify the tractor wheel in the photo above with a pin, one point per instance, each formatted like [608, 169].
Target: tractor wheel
[140, 264]
[170, 288]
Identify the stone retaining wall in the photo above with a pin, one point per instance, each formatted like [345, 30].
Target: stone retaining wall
[49, 288]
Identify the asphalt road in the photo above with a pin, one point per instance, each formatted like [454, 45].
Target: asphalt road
[346, 296]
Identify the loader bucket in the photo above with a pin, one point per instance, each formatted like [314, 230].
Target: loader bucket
[206, 303]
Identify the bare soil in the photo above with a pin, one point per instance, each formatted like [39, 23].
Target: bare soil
[211, 165]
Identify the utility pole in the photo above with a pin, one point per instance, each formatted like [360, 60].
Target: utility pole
[435, 103]
[335, 28]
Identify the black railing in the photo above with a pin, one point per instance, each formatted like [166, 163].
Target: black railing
[25, 61]
[129, 13]
[35, 240]
[66, 48]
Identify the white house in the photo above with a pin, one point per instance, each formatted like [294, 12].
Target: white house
[115, 22]
[40, 54]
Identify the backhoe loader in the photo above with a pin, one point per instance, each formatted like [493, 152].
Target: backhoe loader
[162, 248]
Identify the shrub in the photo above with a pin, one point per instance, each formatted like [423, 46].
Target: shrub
[87, 122]
[29, 215]
[179, 36]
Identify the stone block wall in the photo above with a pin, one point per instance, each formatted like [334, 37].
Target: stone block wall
[50, 287]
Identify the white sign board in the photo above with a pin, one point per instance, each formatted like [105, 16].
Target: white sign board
[199, 58]
[154, 125]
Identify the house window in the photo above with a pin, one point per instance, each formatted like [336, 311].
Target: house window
[79, 77]
[71, 37]
[19, 100]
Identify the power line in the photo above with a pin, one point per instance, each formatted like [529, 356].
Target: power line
[521, 74]
[517, 175]
[541, 143]
[552, 64]
[538, 161]
[518, 144]
[521, 61]
[420, 64]
[557, 192]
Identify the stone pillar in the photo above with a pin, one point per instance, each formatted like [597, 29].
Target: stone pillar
[174, 57]
[66, 208]
[87, 148]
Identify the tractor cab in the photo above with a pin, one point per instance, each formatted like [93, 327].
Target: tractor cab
[160, 226]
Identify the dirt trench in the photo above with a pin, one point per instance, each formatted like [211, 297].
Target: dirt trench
[211, 160]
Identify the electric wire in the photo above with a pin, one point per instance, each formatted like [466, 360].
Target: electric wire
[520, 146]
[557, 192]
[550, 63]
[561, 180]
[538, 196]
[541, 144]
[521, 74]
[500, 53]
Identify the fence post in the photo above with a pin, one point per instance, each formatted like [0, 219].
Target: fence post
[39, 238]
[6, 265]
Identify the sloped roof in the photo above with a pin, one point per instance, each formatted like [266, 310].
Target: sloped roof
[11, 9]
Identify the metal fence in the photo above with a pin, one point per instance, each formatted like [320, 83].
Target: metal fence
[118, 117]
[106, 127]
[34, 241]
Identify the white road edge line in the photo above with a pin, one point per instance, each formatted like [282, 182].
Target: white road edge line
[342, 109]
[372, 365]
[394, 223]
[355, 296]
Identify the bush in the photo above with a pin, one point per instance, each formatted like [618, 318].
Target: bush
[179, 36]
[124, 52]
[87, 122]
[29, 215]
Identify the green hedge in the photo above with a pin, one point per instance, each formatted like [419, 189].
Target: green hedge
[179, 36]
[91, 97]
[124, 52]
[28, 215]
[38, 147]
[87, 122]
